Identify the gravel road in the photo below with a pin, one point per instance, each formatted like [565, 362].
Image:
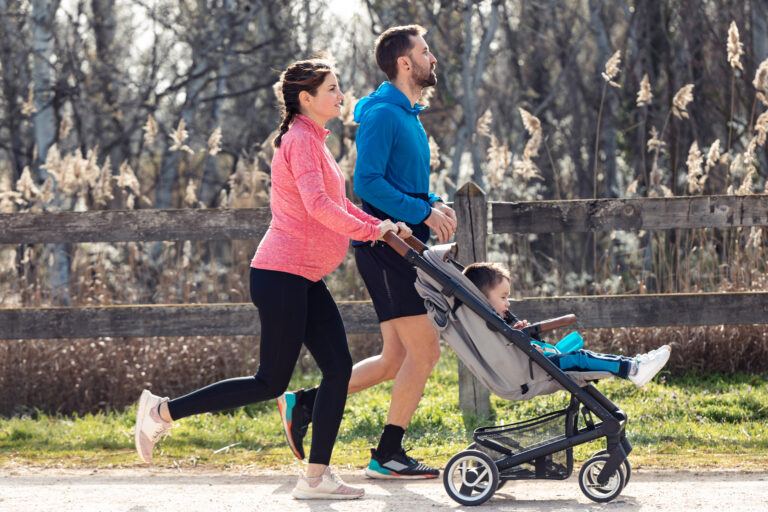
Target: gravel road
[139, 490]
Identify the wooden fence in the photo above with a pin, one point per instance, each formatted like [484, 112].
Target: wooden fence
[472, 208]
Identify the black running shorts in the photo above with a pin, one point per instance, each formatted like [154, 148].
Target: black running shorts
[390, 281]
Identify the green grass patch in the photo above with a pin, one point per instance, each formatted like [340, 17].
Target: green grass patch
[715, 421]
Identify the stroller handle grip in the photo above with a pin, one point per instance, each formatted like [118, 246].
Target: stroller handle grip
[402, 246]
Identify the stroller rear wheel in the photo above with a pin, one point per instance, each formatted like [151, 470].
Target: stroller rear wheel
[592, 489]
[471, 477]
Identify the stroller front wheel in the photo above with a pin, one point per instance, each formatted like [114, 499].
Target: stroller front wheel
[592, 489]
[471, 477]
[625, 466]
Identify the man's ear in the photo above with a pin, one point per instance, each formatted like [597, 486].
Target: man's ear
[405, 62]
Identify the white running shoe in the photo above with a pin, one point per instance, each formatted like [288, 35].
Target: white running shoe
[649, 364]
[150, 427]
[329, 486]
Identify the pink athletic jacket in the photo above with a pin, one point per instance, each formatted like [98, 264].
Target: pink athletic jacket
[312, 219]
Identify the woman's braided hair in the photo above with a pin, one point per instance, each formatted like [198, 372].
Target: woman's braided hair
[303, 75]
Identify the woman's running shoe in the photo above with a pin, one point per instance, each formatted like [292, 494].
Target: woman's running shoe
[150, 427]
[328, 486]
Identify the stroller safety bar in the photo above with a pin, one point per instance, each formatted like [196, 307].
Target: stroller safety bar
[534, 330]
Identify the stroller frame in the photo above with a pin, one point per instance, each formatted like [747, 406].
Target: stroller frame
[612, 420]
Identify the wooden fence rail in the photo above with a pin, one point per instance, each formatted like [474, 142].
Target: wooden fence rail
[472, 209]
[581, 215]
[225, 319]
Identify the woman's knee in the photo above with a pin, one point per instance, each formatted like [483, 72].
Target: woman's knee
[340, 370]
[273, 387]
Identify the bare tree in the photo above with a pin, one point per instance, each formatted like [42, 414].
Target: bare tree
[44, 118]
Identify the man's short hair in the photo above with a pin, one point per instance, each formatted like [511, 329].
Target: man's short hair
[394, 43]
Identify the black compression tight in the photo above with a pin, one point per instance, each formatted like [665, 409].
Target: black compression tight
[293, 311]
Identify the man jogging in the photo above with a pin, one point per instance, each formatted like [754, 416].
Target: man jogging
[392, 179]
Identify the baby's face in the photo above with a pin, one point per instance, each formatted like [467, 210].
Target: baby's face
[498, 296]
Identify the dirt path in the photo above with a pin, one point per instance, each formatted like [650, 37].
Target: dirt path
[133, 490]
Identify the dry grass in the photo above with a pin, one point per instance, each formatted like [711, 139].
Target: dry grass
[88, 376]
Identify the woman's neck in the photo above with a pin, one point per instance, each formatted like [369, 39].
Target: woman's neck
[320, 121]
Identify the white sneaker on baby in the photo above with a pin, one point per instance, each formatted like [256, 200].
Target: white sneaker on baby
[649, 364]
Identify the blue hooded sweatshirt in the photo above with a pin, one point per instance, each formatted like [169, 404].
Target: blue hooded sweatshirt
[392, 169]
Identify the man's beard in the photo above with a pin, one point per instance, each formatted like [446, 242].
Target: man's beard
[424, 77]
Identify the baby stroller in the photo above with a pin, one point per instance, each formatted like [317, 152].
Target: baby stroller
[504, 360]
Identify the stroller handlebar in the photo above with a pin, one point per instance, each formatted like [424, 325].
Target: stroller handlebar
[402, 246]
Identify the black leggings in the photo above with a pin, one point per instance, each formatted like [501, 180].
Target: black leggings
[293, 310]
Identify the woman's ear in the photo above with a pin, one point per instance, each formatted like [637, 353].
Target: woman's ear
[304, 98]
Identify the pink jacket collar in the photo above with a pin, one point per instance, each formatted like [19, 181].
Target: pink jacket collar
[315, 128]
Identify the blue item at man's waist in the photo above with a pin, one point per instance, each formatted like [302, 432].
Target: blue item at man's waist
[420, 231]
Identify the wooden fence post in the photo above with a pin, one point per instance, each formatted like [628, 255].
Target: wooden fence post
[472, 214]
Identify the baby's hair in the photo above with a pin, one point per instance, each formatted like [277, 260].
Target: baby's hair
[486, 275]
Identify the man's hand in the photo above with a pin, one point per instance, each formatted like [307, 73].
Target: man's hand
[444, 208]
[443, 225]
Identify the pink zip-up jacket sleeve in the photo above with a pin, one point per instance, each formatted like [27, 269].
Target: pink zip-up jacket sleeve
[312, 219]
[310, 179]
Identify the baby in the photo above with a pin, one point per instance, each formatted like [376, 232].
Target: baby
[493, 280]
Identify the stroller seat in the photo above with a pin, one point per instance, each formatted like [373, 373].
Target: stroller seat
[591, 376]
[497, 362]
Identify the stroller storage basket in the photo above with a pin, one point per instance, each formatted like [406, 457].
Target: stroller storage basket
[506, 440]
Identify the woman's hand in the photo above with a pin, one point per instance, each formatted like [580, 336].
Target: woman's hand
[403, 231]
[384, 227]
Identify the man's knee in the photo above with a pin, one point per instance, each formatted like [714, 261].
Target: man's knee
[425, 358]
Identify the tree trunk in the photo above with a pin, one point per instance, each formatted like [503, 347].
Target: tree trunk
[44, 119]
[109, 126]
[45, 128]
[10, 56]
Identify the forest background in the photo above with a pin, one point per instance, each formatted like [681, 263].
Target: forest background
[170, 104]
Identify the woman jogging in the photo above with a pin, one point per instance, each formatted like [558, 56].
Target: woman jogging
[312, 223]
